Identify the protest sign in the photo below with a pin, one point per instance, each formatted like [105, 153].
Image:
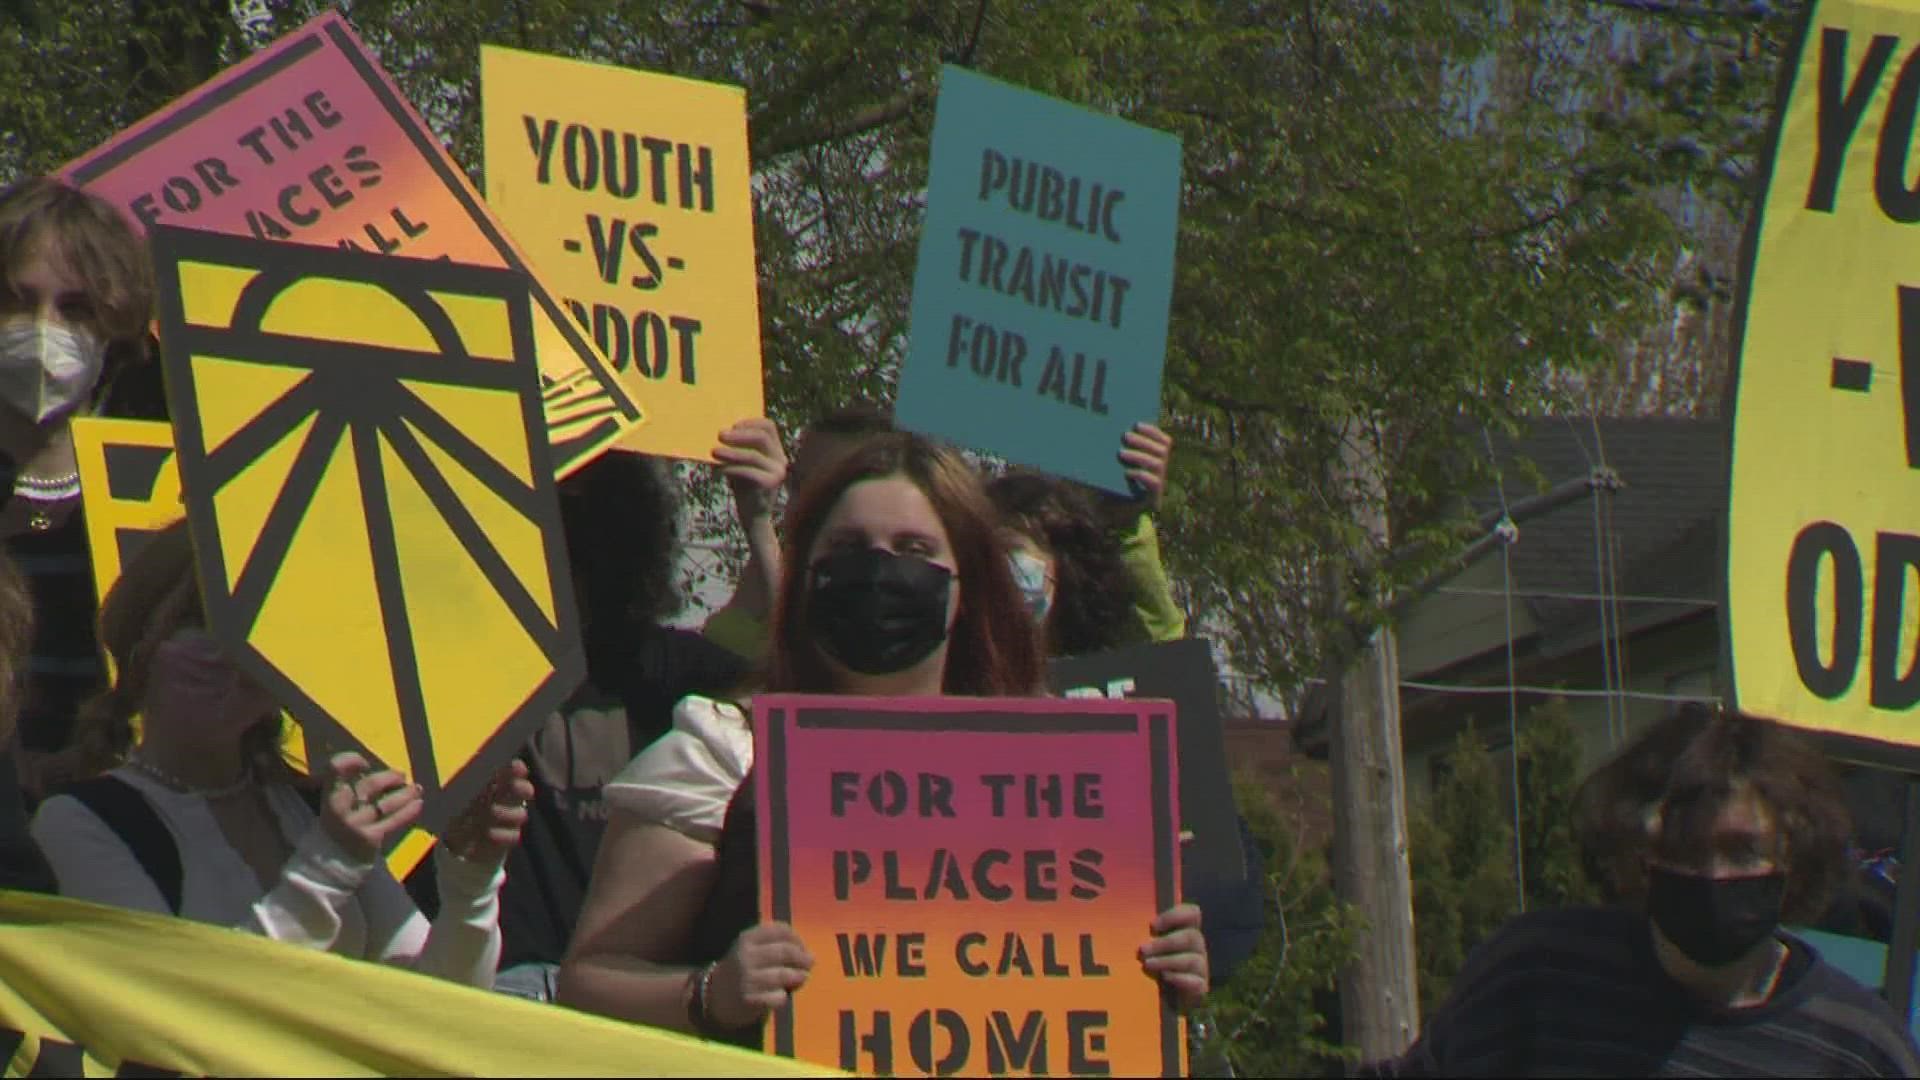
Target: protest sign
[1823, 523]
[1182, 672]
[970, 915]
[87, 990]
[1039, 319]
[372, 505]
[309, 141]
[129, 489]
[630, 193]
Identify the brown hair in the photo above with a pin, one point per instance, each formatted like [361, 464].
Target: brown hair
[1660, 797]
[94, 240]
[157, 595]
[992, 650]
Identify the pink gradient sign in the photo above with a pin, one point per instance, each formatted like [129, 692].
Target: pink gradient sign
[974, 878]
[308, 141]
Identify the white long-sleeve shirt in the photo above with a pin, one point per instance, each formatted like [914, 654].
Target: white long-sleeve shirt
[324, 899]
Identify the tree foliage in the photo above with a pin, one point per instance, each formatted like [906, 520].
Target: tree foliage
[1462, 848]
[1274, 1017]
[1413, 216]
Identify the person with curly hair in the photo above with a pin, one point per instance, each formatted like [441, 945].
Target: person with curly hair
[1710, 831]
[76, 305]
[1089, 563]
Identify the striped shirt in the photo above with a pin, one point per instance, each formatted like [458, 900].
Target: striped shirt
[1579, 992]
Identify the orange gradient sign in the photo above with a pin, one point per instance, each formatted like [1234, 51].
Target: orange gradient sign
[974, 879]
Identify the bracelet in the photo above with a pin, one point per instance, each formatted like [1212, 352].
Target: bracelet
[697, 1017]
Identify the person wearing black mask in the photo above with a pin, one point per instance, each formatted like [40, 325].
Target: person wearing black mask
[895, 584]
[1709, 832]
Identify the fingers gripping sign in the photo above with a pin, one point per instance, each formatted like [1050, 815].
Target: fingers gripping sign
[751, 458]
[364, 809]
[765, 966]
[491, 825]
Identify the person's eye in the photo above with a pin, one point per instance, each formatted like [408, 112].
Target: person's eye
[918, 548]
[76, 309]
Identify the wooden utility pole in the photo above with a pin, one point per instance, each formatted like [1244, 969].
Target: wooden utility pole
[1379, 1002]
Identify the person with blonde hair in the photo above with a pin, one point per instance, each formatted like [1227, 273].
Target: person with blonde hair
[199, 814]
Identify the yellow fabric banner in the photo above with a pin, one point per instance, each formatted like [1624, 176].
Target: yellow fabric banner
[98, 991]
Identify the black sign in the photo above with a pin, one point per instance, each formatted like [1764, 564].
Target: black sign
[1184, 672]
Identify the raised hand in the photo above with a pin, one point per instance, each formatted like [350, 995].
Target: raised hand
[751, 458]
[364, 809]
[490, 826]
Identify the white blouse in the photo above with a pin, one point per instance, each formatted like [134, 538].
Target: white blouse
[686, 778]
[325, 899]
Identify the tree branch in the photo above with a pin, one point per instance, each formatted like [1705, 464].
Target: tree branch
[867, 119]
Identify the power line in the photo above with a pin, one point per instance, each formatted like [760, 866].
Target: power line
[1558, 691]
[1549, 594]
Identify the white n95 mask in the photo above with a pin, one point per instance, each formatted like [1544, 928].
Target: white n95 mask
[47, 368]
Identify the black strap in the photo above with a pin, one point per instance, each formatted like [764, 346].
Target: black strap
[134, 820]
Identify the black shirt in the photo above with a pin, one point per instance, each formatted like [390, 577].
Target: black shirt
[571, 758]
[1579, 992]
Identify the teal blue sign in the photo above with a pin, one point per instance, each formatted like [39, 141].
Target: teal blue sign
[1046, 270]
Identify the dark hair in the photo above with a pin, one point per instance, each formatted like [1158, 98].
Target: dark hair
[858, 418]
[621, 516]
[1093, 598]
[1659, 798]
[16, 643]
[156, 596]
[993, 649]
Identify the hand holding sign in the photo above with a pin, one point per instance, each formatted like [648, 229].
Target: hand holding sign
[1177, 954]
[755, 465]
[491, 826]
[366, 809]
[764, 967]
[1044, 275]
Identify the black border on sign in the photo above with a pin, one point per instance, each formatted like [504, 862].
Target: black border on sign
[780, 873]
[335, 31]
[230, 611]
[1749, 254]
[1166, 875]
[992, 717]
[117, 156]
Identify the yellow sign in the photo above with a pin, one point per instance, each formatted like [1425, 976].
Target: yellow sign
[630, 193]
[98, 991]
[364, 458]
[129, 490]
[1823, 534]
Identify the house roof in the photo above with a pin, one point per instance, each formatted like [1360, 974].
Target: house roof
[1662, 526]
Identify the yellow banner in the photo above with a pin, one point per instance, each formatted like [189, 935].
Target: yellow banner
[630, 193]
[1824, 516]
[95, 991]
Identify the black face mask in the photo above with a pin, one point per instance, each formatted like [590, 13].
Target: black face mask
[1714, 921]
[875, 612]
